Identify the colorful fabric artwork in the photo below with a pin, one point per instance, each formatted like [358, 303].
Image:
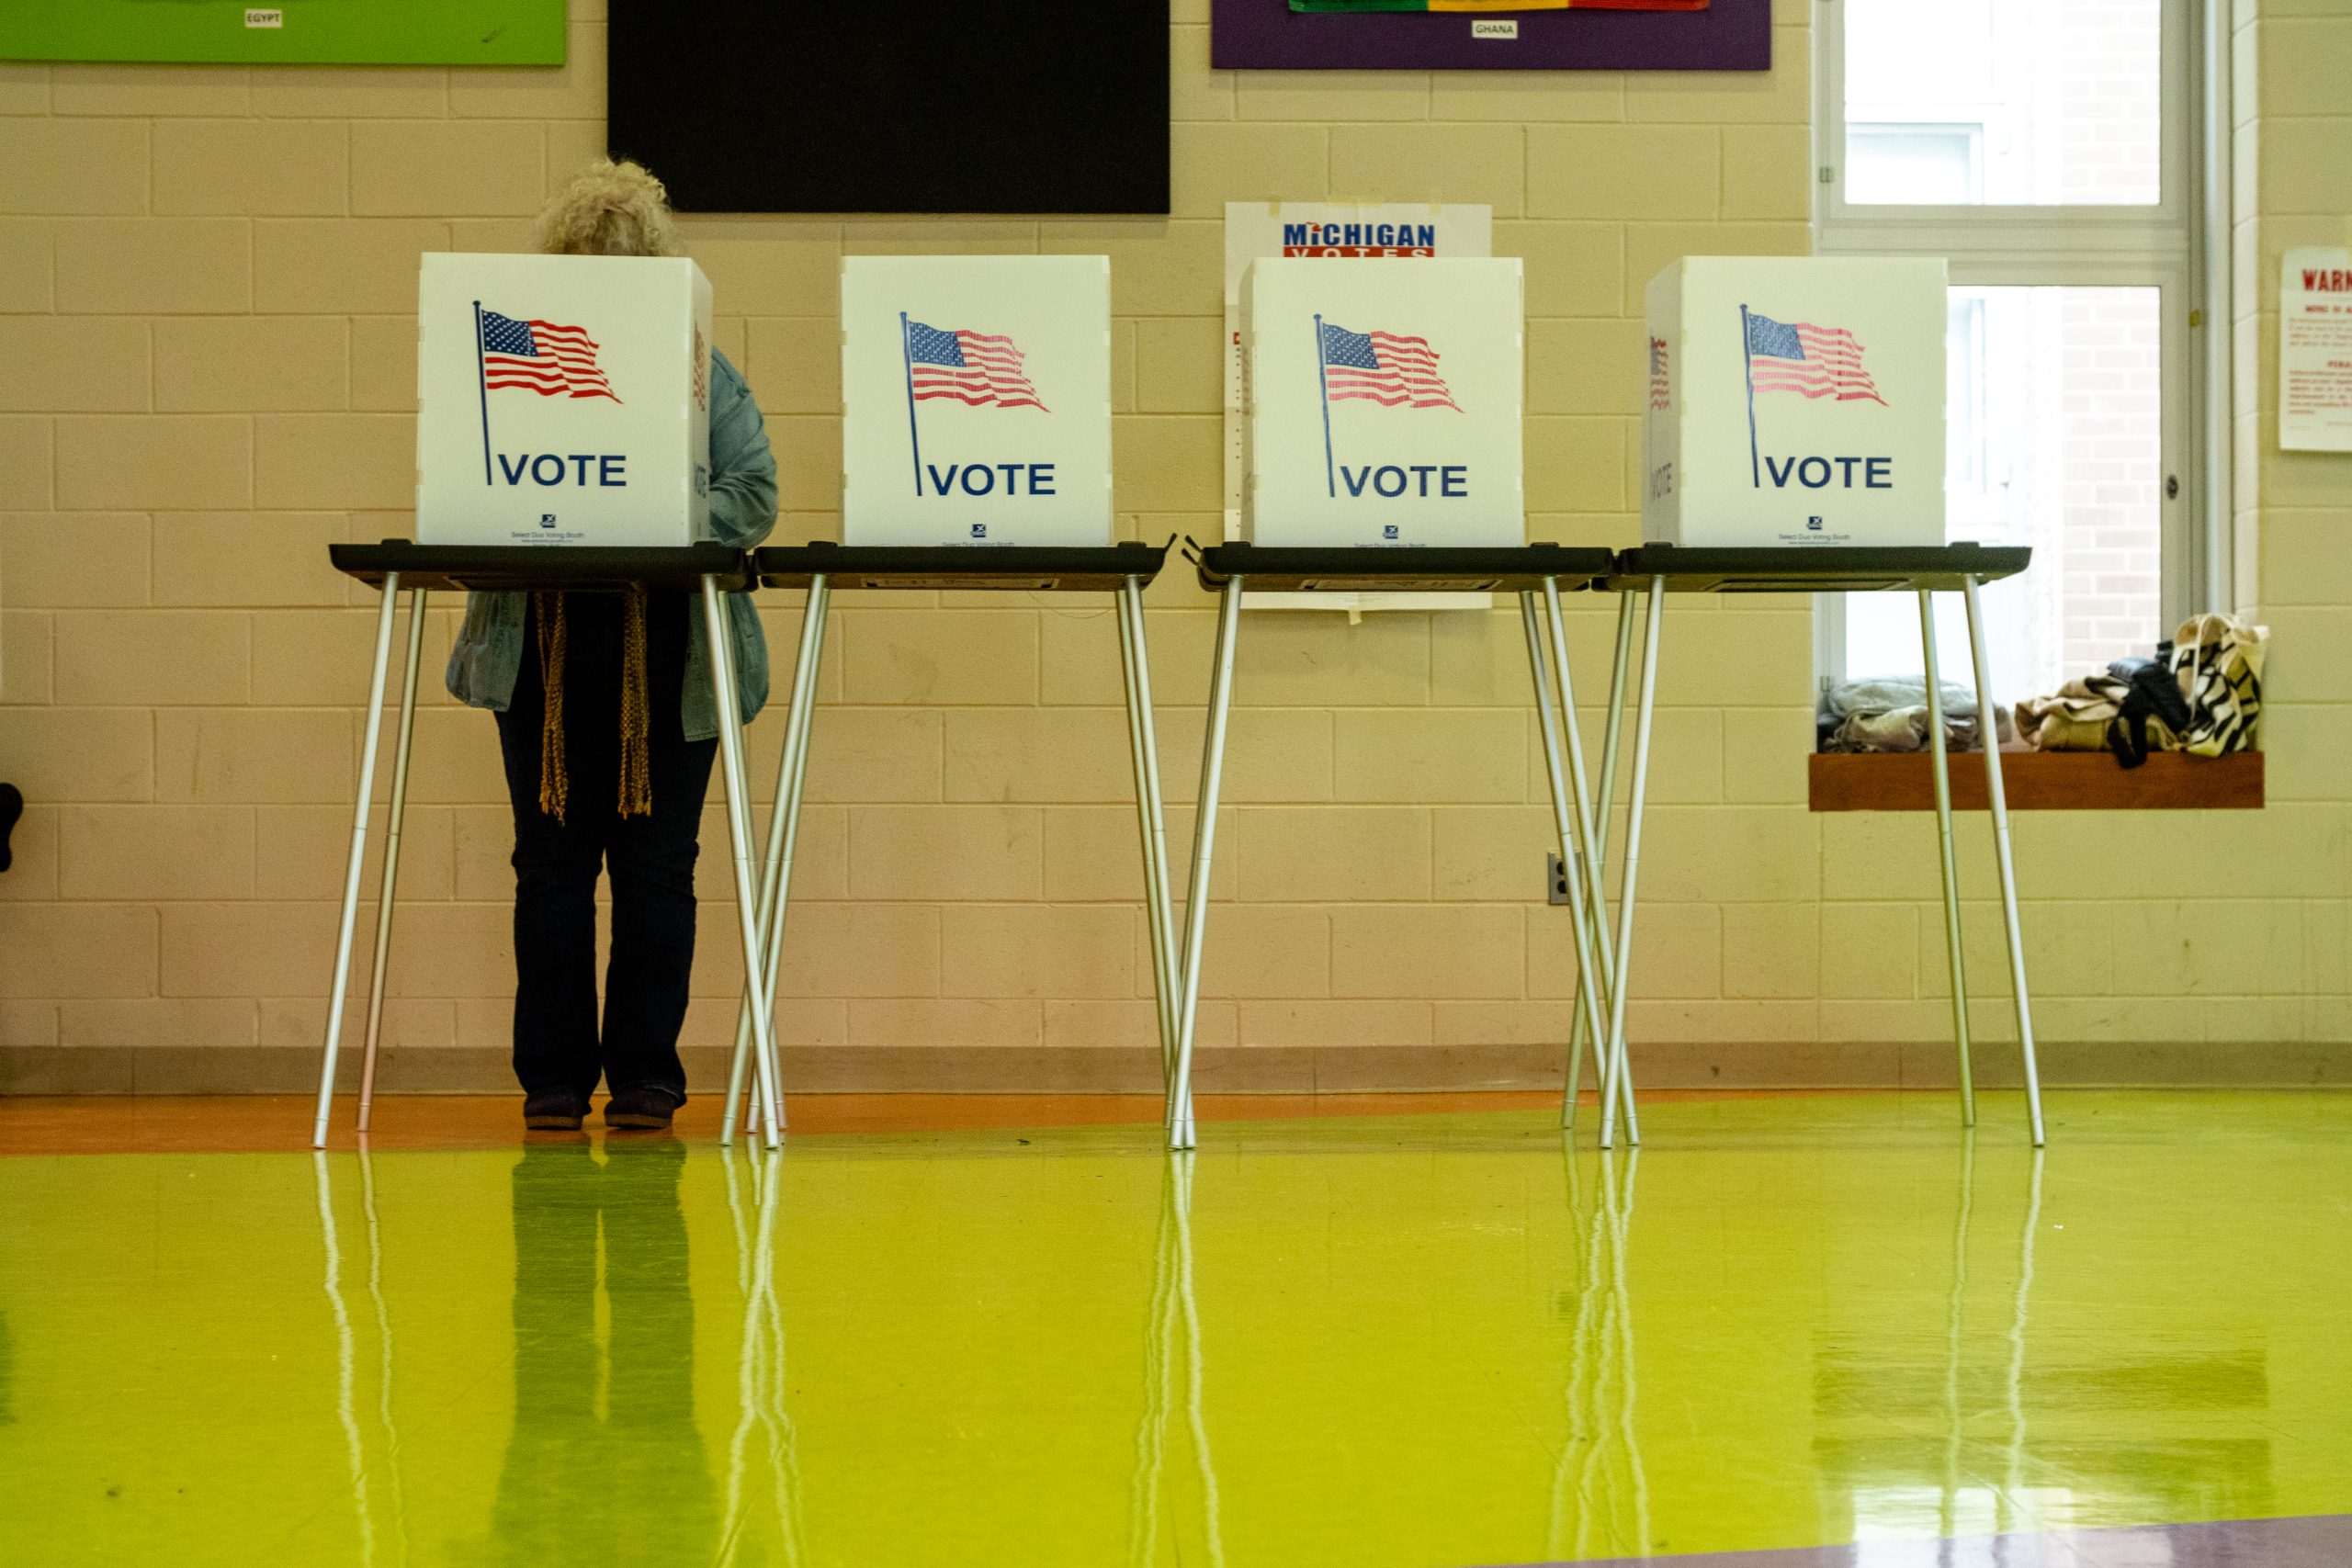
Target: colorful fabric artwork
[1498, 6]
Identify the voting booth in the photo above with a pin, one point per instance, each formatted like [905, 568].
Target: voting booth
[1795, 402]
[976, 401]
[563, 400]
[1382, 403]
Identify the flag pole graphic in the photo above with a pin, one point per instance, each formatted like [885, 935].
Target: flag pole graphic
[914, 436]
[1323, 382]
[482, 374]
[1747, 362]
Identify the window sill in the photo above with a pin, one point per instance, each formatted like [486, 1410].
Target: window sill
[2038, 780]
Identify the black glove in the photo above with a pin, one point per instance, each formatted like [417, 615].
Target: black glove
[12, 806]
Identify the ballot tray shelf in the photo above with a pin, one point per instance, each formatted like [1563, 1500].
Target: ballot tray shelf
[1815, 569]
[571, 568]
[1035, 568]
[1514, 569]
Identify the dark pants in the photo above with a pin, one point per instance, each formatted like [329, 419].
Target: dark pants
[557, 1045]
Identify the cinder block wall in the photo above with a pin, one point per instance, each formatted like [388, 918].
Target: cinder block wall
[206, 350]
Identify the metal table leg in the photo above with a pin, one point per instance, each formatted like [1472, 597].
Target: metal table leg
[1569, 836]
[1196, 899]
[1597, 842]
[738, 830]
[792, 775]
[358, 859]
[1616, 1064]
[1590, 833]
[776, 881]
[1998, 801]
[1143, 746]
[391, 855]
[1943, 833]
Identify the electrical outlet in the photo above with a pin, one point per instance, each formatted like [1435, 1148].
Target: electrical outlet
[1556, 878]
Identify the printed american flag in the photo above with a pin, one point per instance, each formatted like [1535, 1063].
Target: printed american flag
[540, 357]
[1382, 368]
[1814, 362]
[1661, 387]
[979, 369]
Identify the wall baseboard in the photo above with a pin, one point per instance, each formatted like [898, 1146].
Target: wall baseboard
[1331, 1069]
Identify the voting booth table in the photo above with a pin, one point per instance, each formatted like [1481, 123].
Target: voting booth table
[1382, 418]
[1538, 574]
[1122, 571]
[1657, 570]
[1793, 443]
[396, 567]
[976, 457]
[563, 445]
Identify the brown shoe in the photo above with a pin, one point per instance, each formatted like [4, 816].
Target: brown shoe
[554, 1112]
[640, 1110]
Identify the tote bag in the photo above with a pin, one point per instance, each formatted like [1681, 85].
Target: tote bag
[2217, 660]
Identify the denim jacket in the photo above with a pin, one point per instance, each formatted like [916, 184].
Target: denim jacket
[489, 653]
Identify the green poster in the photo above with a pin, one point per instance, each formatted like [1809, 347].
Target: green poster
[294, 32]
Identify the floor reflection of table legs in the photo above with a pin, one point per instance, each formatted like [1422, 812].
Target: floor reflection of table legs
[1960, 1509]
[1599, 1491]
[760, 1364]
[1174, 1305]
[347, 1376]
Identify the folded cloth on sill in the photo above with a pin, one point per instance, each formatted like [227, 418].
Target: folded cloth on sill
[1890, 714]
[2086, 714]
[2202, 694]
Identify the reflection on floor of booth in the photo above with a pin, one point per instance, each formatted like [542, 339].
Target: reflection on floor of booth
[1800, 1322]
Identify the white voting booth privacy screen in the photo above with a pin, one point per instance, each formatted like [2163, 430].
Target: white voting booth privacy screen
[1383, 403]
[976, 401]
[563, 400]
[1346, 233]
[1795, 400]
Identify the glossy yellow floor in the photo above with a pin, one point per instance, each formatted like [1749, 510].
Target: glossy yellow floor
[1429, 1340]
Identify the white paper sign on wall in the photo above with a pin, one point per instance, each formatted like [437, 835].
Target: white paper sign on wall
[976, 395]
[2315, 350]
[1795, 400]
[1383, 403]
[563, 400]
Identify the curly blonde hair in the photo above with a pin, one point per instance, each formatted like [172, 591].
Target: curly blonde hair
[609, 210]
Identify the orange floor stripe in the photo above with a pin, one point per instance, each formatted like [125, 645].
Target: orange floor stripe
[252, 1123]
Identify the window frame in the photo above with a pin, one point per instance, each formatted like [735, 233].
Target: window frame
[2179, 245]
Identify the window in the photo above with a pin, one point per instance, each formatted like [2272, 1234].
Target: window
[2045, 148]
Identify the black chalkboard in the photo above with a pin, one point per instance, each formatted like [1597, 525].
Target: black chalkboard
[895, 105]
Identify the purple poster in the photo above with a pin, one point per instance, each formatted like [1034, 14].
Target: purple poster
[1267, 35]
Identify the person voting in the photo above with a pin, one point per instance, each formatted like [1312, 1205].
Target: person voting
[606, 717]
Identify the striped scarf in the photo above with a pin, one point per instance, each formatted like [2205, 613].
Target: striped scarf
[636, 791]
